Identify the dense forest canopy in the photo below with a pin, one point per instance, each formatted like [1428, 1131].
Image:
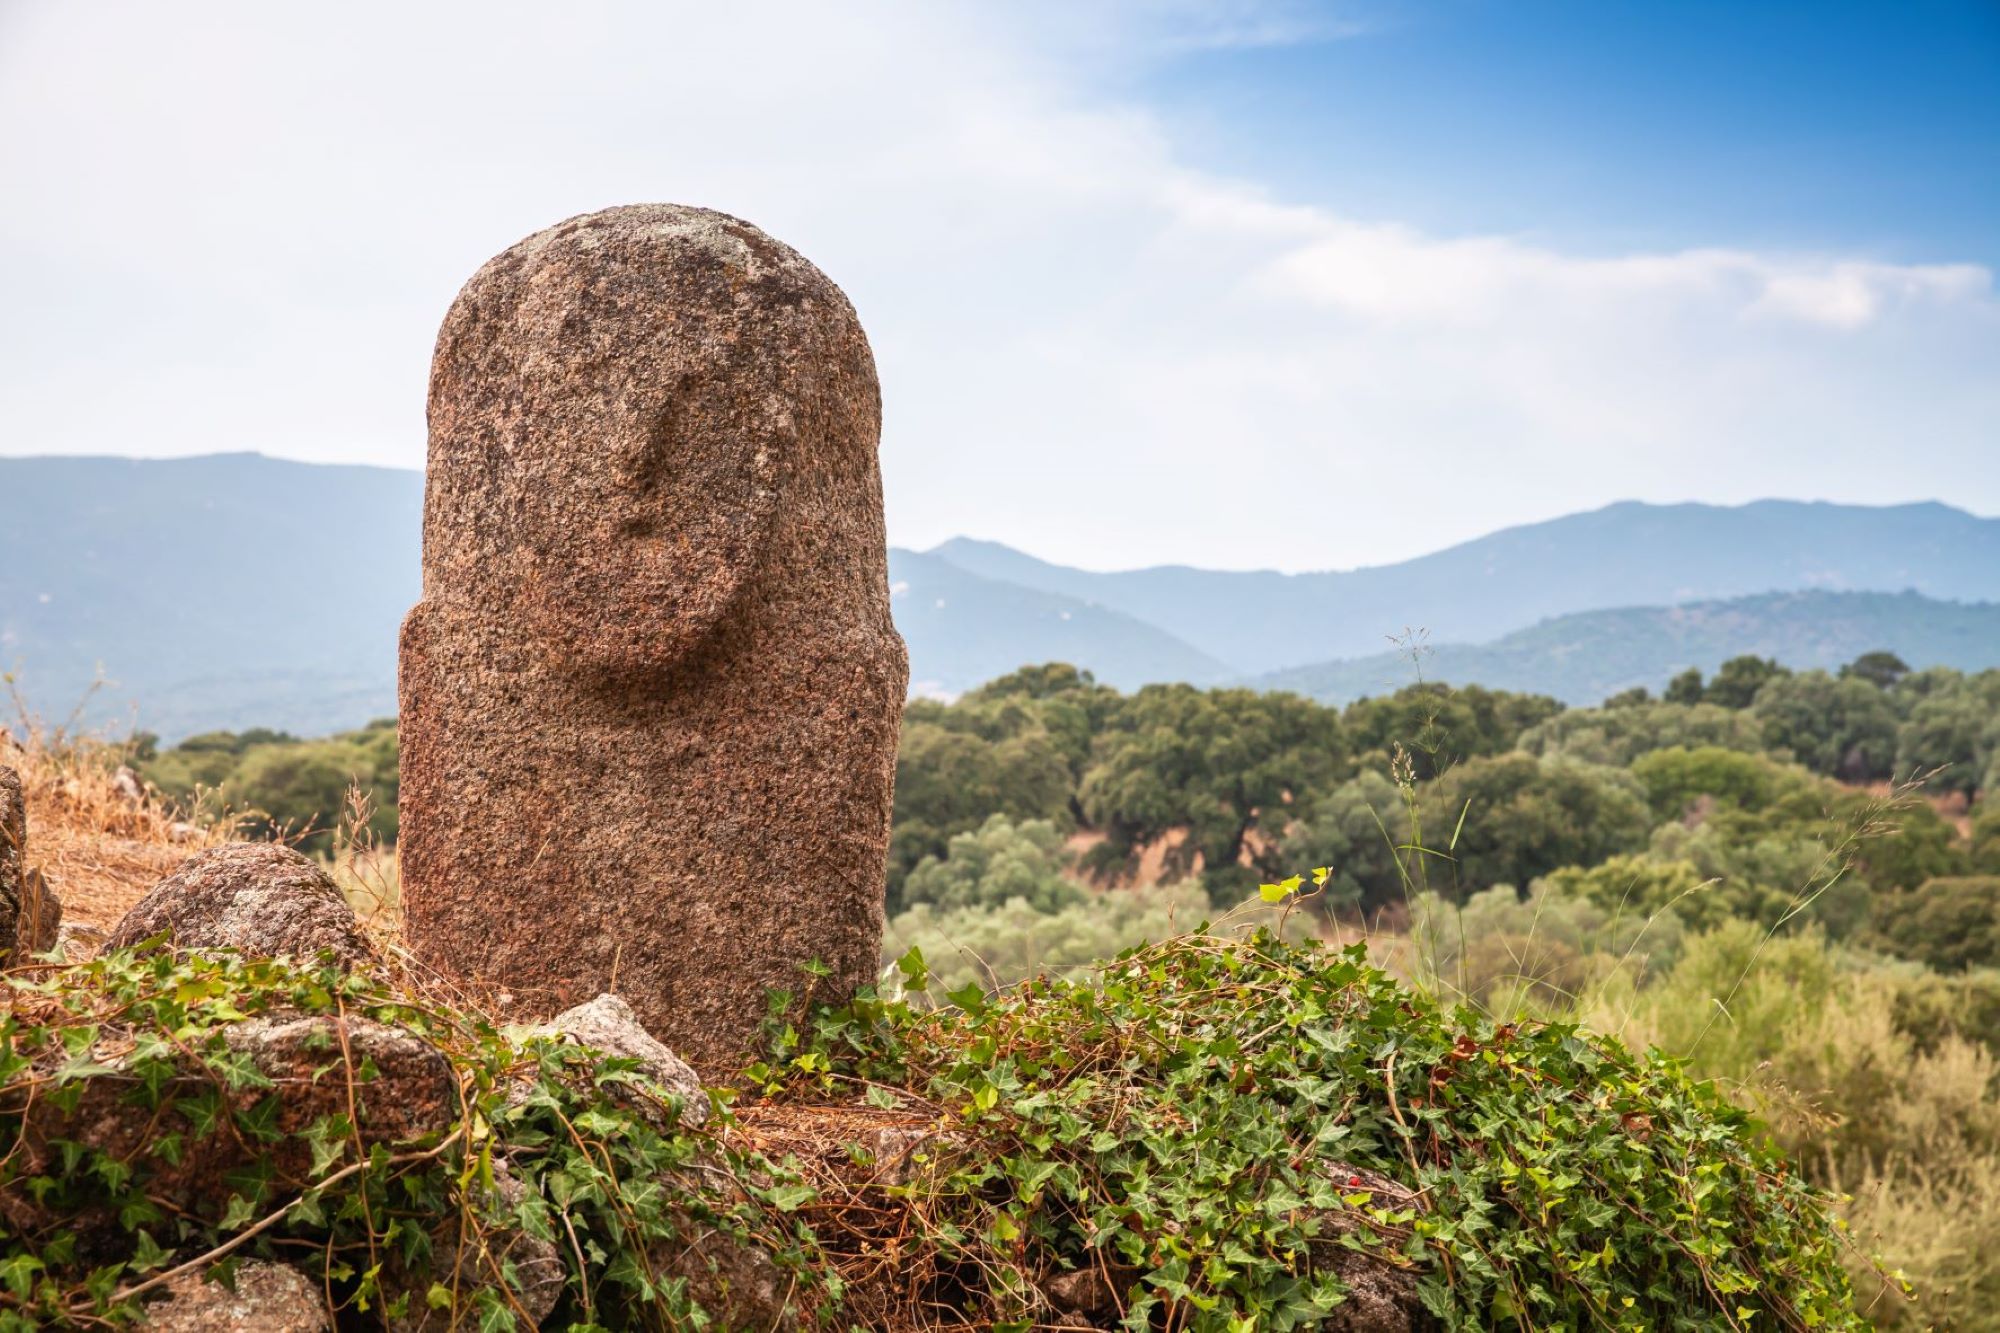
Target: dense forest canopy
[1747, 786]
[1045, 779]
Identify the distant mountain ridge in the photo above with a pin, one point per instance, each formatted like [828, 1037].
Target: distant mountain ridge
[1625, 554]
[213, 590]
[1587, 657]
[964, 630]
[236, 590]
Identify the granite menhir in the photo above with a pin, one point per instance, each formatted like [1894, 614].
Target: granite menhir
[650, 696]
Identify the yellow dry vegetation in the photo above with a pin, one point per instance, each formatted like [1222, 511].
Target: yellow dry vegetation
[99, 837]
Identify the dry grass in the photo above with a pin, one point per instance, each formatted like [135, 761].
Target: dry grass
[868, 1168]
[369, 874]
[100, 839]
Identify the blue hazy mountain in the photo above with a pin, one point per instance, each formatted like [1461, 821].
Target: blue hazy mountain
[1626, 554]
[210, 591]
[964, 630]
[1587, 657]
[237, 590]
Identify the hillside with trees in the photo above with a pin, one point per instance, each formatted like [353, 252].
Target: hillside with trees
[1786, 878]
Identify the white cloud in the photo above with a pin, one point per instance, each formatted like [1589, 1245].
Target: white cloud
[236, 226]
[1391, 272]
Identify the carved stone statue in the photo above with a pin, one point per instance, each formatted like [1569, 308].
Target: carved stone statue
[650, 697]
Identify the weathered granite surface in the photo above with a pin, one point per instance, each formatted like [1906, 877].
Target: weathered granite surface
[262, 1297]
[266, 900]
[650, 696]
[30, 912]
[608, 1025]
[402, 1091]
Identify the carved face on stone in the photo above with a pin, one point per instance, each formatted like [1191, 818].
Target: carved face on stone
[619, 408]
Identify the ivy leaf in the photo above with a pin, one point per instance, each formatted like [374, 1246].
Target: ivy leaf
[790, 1198]
[971, 997]
[82, 1066]
[18, 1271]
[1283, 889]
[147, 1254]
[916, 972]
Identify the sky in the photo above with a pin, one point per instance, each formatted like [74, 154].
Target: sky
[1241, 284]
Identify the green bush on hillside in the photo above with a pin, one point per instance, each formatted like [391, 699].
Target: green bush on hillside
[1951, 923]
[1640, 887]
[1680, 780]
[283, 786]
[1000, 944]
[1001, 860]
[951, 778]
[1439, 727]
[1513, 818]
[1510, 954]
[1880, 1080]
[1189, 1123]
[1217, 763]
[1843, 727]
[1617, 736]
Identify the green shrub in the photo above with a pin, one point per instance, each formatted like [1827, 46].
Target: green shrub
[1844, 728]
[951, 781]
[1951, 733]
[1869, 1076]
[1509, 954]
[1439, 727]
[1000, 944]
[1218, 763]
[1772, 874]
[1930, 1006]
[283, 786]
[1617, 736]
[1984, 855]
[1638, 887]
[1678, 779]
[1907, 841]
[1951, 924]
[1179, 1123]
[1517, 818]
[1002, 860]
[1738, 681]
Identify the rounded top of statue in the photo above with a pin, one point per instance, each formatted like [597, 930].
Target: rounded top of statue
[623, 409]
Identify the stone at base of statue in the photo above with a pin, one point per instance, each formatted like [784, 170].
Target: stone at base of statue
[262, 1297]
[257, 897]
[650, 696]
[77, 942]
[408, 1094]
[608, 1025]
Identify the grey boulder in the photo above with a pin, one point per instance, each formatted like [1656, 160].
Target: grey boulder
[261, 1298]
[259, 898]
[607, 1024]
